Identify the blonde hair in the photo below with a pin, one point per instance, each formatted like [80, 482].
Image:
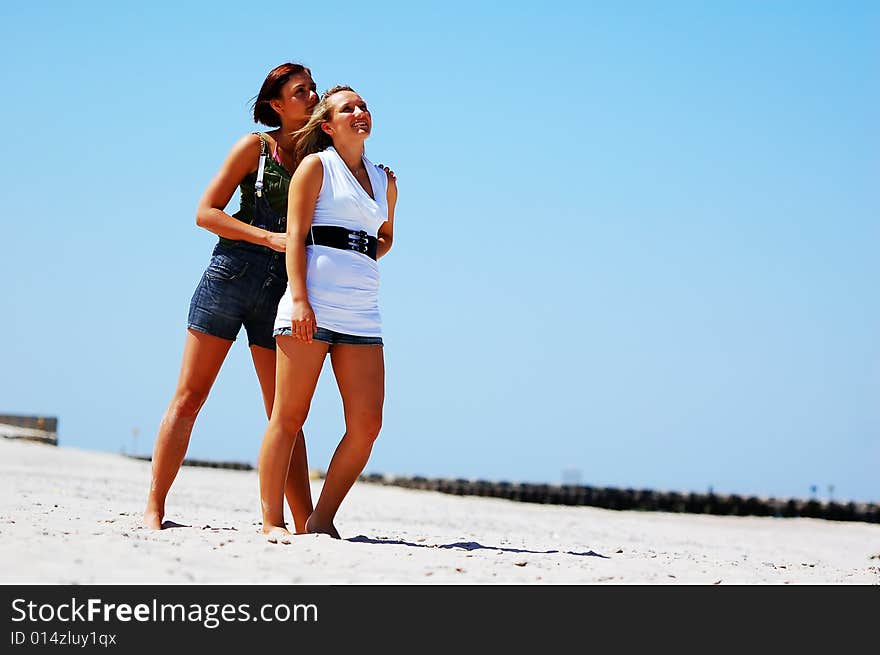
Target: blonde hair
[311, 138]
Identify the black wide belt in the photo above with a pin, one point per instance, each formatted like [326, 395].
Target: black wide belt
[342, 238]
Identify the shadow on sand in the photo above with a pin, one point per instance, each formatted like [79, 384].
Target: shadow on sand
[469, 545]
[170, 525]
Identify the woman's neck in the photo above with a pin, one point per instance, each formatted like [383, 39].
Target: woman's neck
[352, 154]
[284, 136]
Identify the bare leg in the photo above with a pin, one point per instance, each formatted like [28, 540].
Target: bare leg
[297, 488]
[360, 375]
[297, 369]
[203, 355]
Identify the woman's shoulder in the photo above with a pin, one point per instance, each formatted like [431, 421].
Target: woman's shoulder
[323, 155]
[251, 141]
[313, 160]
[311, 166]
[248, 147]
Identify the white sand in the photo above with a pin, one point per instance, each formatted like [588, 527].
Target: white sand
[71, 516]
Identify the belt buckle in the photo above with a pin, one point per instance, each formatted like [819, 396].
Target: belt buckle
[359, 241]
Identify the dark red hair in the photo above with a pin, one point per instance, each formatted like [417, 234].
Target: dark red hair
[271, 89]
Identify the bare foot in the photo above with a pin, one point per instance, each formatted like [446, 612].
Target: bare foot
[276, 534]
[153, 519]
[313, 526]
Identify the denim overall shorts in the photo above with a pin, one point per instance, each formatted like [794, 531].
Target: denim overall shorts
[243, 282]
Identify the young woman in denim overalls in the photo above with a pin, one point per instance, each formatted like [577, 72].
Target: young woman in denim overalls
[243, 282]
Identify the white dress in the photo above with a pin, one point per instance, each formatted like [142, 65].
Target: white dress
[343, 285]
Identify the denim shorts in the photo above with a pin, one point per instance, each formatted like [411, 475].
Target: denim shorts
[241, 287]
[332, 337]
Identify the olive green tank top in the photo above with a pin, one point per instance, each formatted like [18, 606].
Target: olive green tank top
[276, 182]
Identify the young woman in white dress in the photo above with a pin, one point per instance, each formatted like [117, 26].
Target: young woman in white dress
[340, 220]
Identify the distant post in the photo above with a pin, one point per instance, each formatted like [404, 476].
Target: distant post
[571, 475]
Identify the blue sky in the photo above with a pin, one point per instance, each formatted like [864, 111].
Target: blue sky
[637, 241]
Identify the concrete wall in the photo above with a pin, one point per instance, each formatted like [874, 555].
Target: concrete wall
[32, 428]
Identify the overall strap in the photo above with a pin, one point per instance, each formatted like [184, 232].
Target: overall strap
[258, 186]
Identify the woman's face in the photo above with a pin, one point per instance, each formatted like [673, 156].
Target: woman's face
[349, 118]
[296, 100]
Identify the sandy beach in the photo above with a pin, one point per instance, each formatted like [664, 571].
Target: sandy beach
[70, 516]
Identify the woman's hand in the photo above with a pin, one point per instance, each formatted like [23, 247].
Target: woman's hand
[277, 241]
[388, 171]
[302, 321]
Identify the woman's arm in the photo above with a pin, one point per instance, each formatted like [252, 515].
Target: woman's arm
[385, 236]
[210, 214]
[301, 199]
